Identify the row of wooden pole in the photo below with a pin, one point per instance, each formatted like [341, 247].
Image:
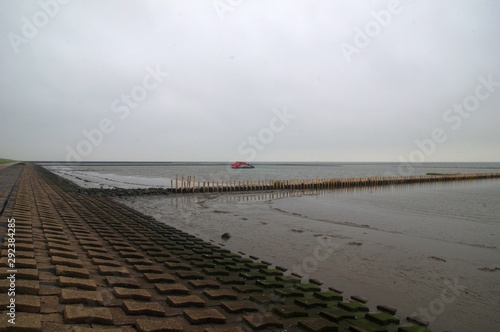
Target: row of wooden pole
[190, 185]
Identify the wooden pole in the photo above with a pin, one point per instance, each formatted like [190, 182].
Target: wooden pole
[188, 184]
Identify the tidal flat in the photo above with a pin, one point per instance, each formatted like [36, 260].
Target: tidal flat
[431, 249]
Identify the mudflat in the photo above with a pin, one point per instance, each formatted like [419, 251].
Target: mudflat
[85, 263]
[421, 249]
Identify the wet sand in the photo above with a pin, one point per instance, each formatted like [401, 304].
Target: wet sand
[450, 280]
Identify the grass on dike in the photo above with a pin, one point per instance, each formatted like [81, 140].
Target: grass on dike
[6, 161]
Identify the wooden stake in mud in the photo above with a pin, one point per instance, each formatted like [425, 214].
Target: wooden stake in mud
[188, 184]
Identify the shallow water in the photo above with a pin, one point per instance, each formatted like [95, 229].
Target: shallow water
[460, 212]
[136, 175]
[430, 249]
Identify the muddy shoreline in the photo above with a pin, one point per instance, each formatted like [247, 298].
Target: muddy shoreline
[405, 271]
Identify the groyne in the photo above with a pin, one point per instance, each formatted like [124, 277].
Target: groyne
[188, 184]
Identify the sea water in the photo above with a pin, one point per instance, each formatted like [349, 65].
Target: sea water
[140, 175]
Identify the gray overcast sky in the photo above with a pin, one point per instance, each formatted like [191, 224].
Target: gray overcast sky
[222, 80]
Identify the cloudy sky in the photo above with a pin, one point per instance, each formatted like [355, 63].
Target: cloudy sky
[222, 80]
